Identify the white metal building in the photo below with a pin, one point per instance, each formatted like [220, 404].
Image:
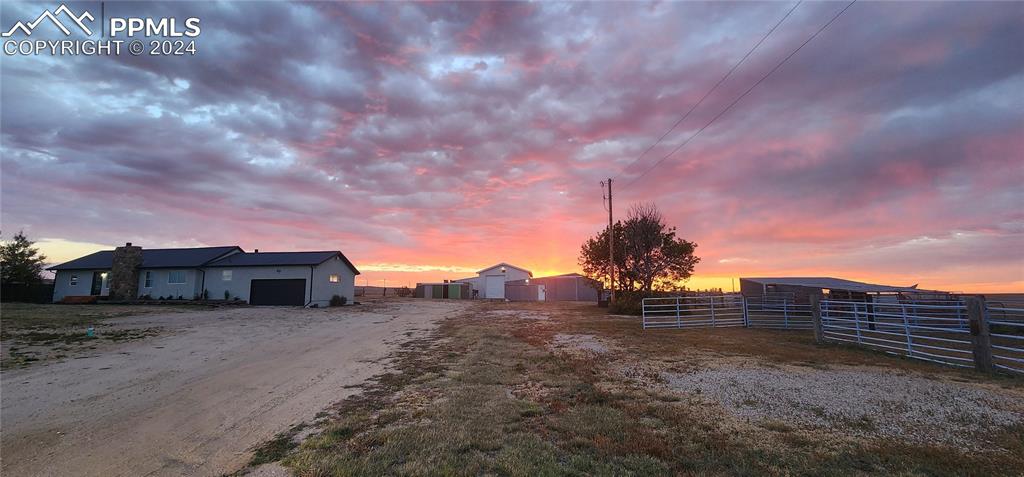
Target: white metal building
[490, 282]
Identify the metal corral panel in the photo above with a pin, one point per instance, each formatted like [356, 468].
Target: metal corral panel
[437, 291]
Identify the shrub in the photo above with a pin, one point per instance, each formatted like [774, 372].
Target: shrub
[227, 295]
[627, 303]
[161, 298]
[180, 297]
[337, 300]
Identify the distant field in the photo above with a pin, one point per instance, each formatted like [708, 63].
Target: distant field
[371, 291]
[1010, 297]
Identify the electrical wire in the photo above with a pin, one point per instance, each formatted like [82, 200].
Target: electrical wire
[727, 108]
[712, 90]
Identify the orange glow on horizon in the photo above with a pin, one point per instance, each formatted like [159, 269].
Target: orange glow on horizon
[408, 274]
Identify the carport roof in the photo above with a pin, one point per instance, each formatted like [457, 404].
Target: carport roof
[151, 258]
[274, 259]
[833, 284]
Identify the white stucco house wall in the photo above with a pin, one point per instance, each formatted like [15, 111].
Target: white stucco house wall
[258, 278]
[490, 282]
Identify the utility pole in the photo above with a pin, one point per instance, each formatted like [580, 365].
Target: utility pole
[611, 241]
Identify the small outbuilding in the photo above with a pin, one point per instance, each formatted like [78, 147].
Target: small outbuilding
[567, 287]
[450, 290]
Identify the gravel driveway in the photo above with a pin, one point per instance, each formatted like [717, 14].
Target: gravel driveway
[194, 401]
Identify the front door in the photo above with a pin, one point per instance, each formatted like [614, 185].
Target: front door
[97, 283]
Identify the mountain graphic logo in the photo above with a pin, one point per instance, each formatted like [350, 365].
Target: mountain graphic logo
[53, 17]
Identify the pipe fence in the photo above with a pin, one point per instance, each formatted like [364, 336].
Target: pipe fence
[988, 337]
[694, 312]
[778, 313]
[1006, 332]
[938, 333]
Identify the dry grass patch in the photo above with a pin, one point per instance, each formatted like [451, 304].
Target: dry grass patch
[501, 397]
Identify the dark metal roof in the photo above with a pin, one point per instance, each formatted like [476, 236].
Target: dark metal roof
[274, 259]
[832, 284]
[152, 258]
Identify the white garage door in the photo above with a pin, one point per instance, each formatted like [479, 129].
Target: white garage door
[494, 286]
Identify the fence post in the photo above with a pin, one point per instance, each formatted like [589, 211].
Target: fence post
[977, 313]
[819, 334]
[856, 321]
[746, 318]
[679, 323]
[906, 331]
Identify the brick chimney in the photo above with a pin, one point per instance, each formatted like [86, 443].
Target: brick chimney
[124, 272]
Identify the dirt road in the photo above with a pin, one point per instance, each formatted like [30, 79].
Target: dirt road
[196, 400]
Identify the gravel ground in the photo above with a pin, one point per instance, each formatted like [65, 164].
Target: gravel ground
[863, 402]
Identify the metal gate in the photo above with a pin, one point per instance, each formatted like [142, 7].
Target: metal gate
[781, 313]
[694, 312]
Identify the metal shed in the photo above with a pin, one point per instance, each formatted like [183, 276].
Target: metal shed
[567, 287]
[443, 290]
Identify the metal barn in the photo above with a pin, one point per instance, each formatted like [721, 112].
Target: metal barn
[567, 287]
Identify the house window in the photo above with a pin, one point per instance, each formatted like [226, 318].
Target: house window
[74, 280]
[176, 277]
[149, 280]
[333, 278]
[225, 275]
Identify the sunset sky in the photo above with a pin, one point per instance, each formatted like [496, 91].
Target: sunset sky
[427, 141]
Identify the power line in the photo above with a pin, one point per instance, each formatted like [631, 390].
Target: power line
[727, 108]
[712, 90]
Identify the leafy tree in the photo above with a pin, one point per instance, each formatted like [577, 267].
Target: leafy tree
[20, 261]
[648, 255]
[594, 256]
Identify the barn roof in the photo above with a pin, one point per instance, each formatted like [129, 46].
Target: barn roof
[508, 265]
[832, 284]
[151, 258]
